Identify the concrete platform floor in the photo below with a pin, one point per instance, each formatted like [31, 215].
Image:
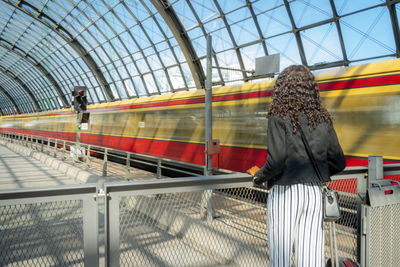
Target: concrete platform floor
[19, 171]
[27, 167]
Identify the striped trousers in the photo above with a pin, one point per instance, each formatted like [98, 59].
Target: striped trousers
[294, 221]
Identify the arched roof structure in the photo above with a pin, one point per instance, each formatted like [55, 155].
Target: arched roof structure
[135, 48]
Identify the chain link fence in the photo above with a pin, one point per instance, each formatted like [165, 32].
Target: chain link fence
[162, 228]
[162, 223]
[347, 227]
[48, 227]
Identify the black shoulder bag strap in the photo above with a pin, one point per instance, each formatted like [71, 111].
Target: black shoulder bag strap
[327, 193]
[310, 154]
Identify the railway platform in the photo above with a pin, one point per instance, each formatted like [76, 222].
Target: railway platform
[27, 167]
[115, 220]
[20, 171]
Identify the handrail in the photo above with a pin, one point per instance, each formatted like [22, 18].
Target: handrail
[129, 157]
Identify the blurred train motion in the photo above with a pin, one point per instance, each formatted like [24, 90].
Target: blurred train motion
[364, 101]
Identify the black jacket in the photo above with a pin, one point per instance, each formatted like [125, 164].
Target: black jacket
[287, 160]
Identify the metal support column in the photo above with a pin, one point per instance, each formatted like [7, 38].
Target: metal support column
[78, 136]
[206, 199]
[105, 162]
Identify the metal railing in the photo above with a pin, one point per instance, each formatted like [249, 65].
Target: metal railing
[161, 223]
[55, 226]
[97, 159]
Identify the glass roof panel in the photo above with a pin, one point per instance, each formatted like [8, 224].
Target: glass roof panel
[345, 7]
[128, 42]
[142, 65]
[245, 32]
[168, 57]
[250, 53]
[205, 9]
[123, 13]
[154, 62]
[105, 29]
[137, 8]
[140, 87]
[151, 86]
[162, 81]
[114, 23]
[367, 34]
[321, 44]
[286, 46]
[153, 31]
[176, 78]
[130, 88]
[140, 37]
[307, 12]
[167, 31]
[58, 11]
[185, 14]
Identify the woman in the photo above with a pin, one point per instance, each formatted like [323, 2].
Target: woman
[294, 206]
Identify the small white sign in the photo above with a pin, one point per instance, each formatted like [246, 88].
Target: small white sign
[84, 126]
[141, 124]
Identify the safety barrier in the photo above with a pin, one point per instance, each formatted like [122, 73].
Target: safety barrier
[49, 227]
[91, 156]
[164, 223]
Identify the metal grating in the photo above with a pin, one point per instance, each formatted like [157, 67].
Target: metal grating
[169, 230]
[42, 234]
[383, 236]
[347, 227]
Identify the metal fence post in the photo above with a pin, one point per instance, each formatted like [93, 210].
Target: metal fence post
[88, 157]
[375, 169]
[128, 165]
[159, 166]
[48, 146]
[112, 230]
[55, 148]
[63, 152]
[90, 231]
[105, 162]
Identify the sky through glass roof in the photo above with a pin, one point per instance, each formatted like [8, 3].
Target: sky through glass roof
[136, 48]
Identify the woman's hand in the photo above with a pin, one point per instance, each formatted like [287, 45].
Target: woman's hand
[253, 170]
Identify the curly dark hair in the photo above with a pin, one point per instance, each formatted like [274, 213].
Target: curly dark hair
[296, 90]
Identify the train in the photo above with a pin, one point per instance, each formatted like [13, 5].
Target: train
[364, 101]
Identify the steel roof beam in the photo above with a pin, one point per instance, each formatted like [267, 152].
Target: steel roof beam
[30, 59]
[64, 34]
[23, 85]
[201, 25]
[168, 14]
[235, 47]
[296, 34]
[10, 98]
[395, 24]
[339, 30]
[253, 15]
